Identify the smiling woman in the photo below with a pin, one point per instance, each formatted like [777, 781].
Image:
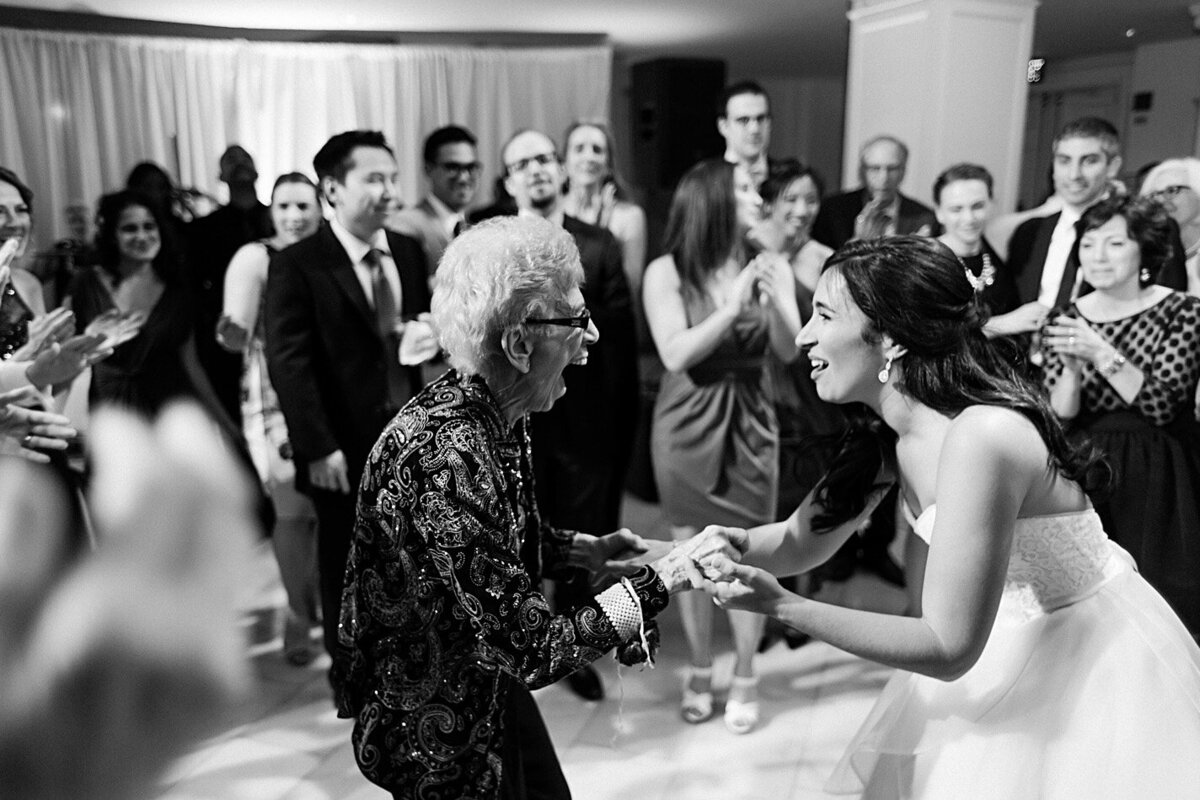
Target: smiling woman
[1038, 661]
[1122, 368]
[444, 628]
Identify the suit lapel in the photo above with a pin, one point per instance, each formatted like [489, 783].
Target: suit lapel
[342, 272]
[1030, 279]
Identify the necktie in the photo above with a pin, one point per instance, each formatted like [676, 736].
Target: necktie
[459, 227]
[385, 321]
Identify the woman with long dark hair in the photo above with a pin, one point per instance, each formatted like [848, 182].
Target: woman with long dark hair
[139, 272]
[1040, 663]
[714, 436]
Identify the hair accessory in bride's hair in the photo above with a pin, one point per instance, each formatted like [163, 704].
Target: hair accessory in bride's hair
[986, 277]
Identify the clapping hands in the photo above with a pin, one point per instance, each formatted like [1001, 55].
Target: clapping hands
[25, 419]
[1075, 341]
[44, 331]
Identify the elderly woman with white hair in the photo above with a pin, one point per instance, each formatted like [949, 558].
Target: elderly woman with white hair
[444, 628]
[1176, 184]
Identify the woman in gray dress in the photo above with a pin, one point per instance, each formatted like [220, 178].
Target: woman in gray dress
[715, 436]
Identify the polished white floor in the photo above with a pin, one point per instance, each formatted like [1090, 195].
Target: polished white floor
[285, 743]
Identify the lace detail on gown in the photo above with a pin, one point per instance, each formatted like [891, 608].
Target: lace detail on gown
[1056, 560]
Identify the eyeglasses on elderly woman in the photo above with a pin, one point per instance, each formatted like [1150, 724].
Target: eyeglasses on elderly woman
[580, 321]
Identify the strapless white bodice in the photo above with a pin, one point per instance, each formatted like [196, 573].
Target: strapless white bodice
[1056, 560]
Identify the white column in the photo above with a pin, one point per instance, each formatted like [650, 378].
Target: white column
[947, 77]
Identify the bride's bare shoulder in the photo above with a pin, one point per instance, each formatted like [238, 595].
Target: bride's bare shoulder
[997, 429]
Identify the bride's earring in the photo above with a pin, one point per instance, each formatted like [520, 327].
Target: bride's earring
[886, 372]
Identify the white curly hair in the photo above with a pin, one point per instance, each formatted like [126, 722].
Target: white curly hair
[495, 275]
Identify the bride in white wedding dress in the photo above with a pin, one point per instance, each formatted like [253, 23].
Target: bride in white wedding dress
[1039, 663]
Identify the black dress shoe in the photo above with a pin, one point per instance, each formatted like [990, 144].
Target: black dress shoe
[883, 565]
[586, 683]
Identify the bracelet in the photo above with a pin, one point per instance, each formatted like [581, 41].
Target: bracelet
[623, 609]
[645, 642]
[1114, 364]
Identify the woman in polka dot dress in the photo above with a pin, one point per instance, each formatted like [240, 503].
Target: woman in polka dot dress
[1122, 366]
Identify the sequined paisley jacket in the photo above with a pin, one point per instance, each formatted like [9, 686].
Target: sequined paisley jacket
[439, 613]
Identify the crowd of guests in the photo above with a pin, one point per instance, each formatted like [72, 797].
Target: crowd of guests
[437, 409]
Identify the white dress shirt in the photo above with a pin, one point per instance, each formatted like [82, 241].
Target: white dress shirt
[447, 218]
[1061, 242]
[357, 250]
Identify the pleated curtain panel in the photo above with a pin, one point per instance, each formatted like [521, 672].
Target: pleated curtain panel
[77, 111]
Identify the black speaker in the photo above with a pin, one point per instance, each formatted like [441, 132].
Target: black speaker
[674, 117]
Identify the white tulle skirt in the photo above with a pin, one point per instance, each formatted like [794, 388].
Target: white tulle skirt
[1098, 699]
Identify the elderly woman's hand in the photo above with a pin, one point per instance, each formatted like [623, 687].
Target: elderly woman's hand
[23, 420]
[608, 557]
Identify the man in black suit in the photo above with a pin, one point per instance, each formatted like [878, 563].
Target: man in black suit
[582, 446]
[876, 208]
[211, 242]
[337, 305]
[1043, 252]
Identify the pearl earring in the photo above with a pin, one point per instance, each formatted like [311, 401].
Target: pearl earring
[886, 372]
[1145, 276]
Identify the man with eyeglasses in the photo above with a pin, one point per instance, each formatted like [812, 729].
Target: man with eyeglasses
[744, 122]
[582, 446]
[876, 207]
[452, 168]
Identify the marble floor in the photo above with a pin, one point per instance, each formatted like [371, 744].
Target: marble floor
[285, 742]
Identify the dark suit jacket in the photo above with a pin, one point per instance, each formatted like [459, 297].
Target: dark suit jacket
[587, 437]
[1030, 243]
[324, 352]
[834, 225]
[211, 243]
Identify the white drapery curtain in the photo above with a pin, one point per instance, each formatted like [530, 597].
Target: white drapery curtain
[78, 111]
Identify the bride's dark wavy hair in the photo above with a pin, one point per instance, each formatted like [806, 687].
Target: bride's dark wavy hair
[916, 291]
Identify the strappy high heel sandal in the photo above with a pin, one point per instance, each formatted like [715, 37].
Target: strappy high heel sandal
[741, 709]
[696, 707]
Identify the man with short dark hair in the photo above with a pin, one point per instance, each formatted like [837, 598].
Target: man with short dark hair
[876, 208]
[337, 305]
[1044, 252]
[582, 446]
[452, 169]
[744, 122]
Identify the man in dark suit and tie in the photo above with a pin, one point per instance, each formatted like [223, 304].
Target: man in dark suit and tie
[452, 168]
[876, 208]
[582, 446]
[1044, 252]
[337, 305]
